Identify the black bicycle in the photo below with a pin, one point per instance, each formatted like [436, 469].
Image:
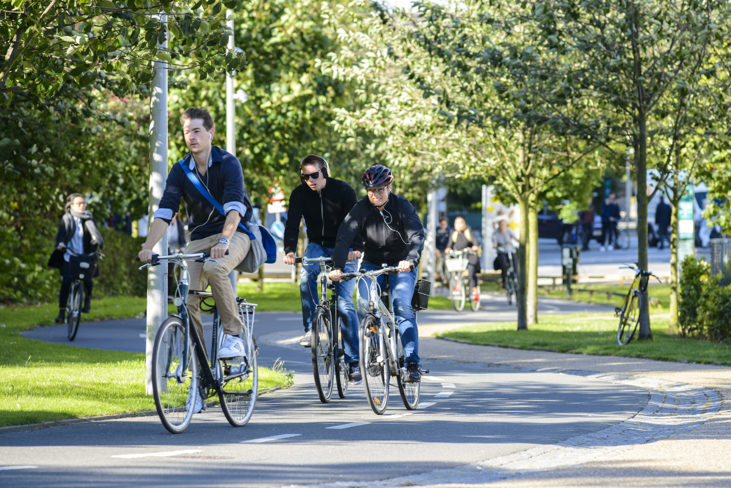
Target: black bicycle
[328, 352]
[183, 375]
[629, 312]
[80, 265]
[511, 278]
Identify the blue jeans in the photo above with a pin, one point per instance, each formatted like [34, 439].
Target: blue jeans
[402, 290]
[346, 309]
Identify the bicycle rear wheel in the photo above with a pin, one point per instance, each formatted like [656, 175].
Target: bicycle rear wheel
[409, 391]
[511, 284]
[629, 318]
[240, 383]
[374, 364]
[73, 309]
[457, 291]
[341, 367]
[323, 364]
[174, 376]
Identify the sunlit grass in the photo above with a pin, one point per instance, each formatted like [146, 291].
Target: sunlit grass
[594, 334]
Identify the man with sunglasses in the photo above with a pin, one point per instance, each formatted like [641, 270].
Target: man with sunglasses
[324, 202]
[392, 234]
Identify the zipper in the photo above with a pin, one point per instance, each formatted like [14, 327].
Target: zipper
[322, 216]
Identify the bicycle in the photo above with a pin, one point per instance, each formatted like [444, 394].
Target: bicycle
[328, 352]
[80, 265]
[629, 312]
[180, 367]
[457, 263]
[381, 350]
[511, 278]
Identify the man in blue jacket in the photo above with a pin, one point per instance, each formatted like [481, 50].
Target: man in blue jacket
[220, 173]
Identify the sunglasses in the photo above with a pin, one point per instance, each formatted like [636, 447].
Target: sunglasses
[377, 191]
[314, 176]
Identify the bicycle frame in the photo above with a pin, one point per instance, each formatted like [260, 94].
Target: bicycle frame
[383, 313]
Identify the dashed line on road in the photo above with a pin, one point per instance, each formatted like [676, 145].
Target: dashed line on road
[427, 404]
[347, 426]
[443, 394]
[157, 454]
[272, 438]
[449, 385]
[14, 468]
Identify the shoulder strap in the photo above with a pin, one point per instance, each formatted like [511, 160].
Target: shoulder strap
[202, 190]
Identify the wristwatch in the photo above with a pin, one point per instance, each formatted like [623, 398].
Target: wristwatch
[223, 240]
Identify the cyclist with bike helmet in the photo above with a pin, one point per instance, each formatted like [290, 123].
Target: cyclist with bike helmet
[323, 202]
[393, 235]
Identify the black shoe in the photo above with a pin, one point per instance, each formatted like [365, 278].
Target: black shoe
[87, 305]
[354, 373]
[413, 375]
[61, 317]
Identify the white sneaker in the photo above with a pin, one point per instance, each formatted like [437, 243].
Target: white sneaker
[232, 347]
[611, 247]
[194, 396]
[306, 340]
[602, 249]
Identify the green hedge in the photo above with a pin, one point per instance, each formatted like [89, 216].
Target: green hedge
[118, 273]
[705, 301]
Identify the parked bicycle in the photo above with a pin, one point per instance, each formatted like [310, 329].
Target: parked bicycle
[328, 352]
[511, 278]
[381, 351]
[80, 265]
[629, 312]
[459, 286]
[182, 374]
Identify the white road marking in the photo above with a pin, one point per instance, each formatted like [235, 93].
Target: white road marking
[157, 454]
[444, 394]
[13, 468]
[270, 438]
[142, 336]
[448, 385]
[428, 377]
[426, 404]
[347, 426]
[398, 415]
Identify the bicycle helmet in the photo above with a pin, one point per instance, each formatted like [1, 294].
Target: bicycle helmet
[376, 176]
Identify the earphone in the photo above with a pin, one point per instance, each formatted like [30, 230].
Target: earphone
[210, 136]
[388, 224]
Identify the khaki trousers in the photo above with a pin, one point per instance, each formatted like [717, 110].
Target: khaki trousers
[215, 272]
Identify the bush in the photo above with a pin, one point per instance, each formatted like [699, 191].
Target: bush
[118, 273]
[693, 274]
[714, 310]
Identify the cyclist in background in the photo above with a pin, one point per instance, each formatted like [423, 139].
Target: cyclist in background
[504, 239]
[462, 238]
[77, 235]
[393, 235]
[323, 202]
[442, 241]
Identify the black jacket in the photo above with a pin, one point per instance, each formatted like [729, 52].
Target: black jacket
[390, 236]
[92, 238]
[323, 212]
[662, 215]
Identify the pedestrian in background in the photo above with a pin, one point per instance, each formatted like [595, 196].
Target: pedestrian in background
[662, 221]
[610, 218]
[442, 241]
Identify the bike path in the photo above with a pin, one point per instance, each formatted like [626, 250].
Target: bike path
[679, 434]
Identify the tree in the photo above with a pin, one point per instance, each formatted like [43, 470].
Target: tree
[627, 55]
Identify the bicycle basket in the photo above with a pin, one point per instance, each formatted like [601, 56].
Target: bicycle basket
[456, 263]
[420, 299]
[81, 265]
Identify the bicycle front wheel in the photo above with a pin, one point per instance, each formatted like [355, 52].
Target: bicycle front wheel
[174, 376]
[323, 363]
[341, 367]
[629, 318]
[457, 291]
[409, 391]
[240, 383]
[374, 364]
[73, 309]
[512, 288]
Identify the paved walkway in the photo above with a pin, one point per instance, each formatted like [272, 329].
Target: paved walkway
[681, 437]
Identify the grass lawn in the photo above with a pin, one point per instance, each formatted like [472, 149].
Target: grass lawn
[592, 293]
[594, 334]
[42, 382]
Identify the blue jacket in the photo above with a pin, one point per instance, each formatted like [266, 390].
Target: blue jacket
[225, 182]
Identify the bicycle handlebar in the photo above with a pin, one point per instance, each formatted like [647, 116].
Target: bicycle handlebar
[304, 259]
[196, 256]
[639, 271]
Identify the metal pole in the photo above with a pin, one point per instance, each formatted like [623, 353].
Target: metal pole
[157, 275]
[628, 192]
[231, 117]
[431, 236]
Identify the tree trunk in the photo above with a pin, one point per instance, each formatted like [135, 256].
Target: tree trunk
[674, 241]
[642, 258]
[532, 263]
[522, 262]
